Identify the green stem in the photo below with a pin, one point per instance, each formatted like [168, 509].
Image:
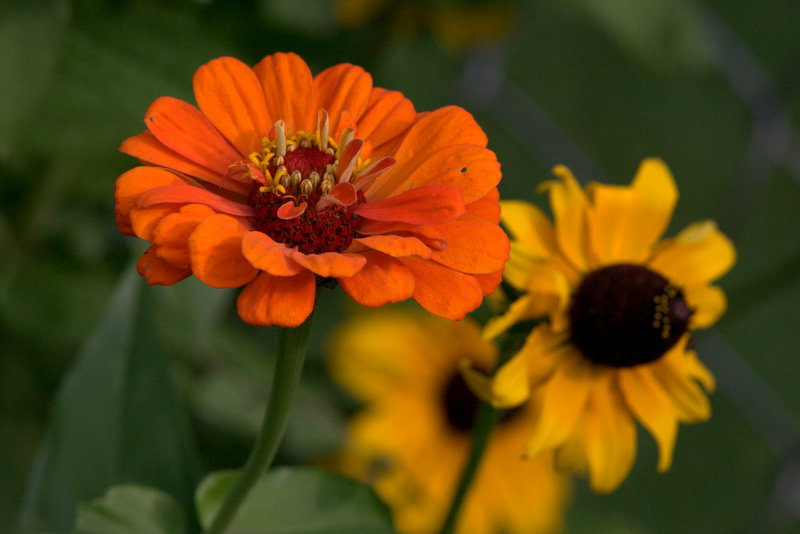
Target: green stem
[292, 344]
[485, 421]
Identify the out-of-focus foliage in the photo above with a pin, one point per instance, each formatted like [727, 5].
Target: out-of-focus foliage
[712, 87]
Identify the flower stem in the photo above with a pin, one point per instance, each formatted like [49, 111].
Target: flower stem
[485, 421]
[292, 344]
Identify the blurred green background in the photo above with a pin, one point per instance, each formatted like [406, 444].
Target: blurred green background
[711, 87]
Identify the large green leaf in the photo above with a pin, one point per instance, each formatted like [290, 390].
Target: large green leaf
[130, 509]
[115, 419]
[298, 500]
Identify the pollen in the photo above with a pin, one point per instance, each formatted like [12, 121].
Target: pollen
[291, 175]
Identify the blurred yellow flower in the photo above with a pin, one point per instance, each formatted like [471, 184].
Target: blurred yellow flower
[457, 25]
[621, 306]
[412, 436]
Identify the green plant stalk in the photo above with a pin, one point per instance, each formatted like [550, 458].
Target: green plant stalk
[292, 343]
[485, 421]
[484, 424]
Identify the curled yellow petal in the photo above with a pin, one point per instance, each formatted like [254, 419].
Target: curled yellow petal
[508, 387]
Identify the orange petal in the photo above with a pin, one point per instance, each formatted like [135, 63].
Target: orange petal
[489, 281]
[474, 245]
[382, 280]
[474, 170]
[342, 194]
[184, 129]
[430, 204]
[342, 88]
[442, 291]
[330, 264]
[158, 271]
[144, 221]
[184, 194]
[388, 114]
[349, 158]
[230, 95]
[287, 84]
[289, 210]
[431, 133]
[487, 207]
[268, 255]
[215, 248]
[149, 150]
[277, 300]
[396, 246]
[132, 184]
[173, 231]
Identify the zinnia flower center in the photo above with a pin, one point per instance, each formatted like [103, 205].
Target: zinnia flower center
[626, 315]
[292, 178]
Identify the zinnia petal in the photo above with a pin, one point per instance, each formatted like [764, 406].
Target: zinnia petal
[341, 88]
[215, 249]
[331, 264]
[461, 235]
[397, 246]
[437, 130]
[185, 130]
[431, 204]
[288, 89]
[172, 233]
[442, 291]
[133, 183]
[388, 114]
[268, 255]
[188, 194]
[229, 94]
[158, 271]
[382, 280]
[277, 300]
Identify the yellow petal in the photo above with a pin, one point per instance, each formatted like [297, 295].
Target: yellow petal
[652, 407]
[529, 226]
[507, 388]
[708, 303]
[569, 206]
[698, 255]
[677, 372]
[610, 435]
[563, 401]
[625, 222]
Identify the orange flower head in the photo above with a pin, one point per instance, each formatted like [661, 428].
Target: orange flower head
[279, 179]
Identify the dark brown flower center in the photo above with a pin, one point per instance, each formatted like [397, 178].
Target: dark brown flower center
[304, 174]
[626, 315]
[461, 405]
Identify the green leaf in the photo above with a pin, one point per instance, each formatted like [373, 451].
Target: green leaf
[115, 419]
[130, 509]
[30, 38]
[298, 500]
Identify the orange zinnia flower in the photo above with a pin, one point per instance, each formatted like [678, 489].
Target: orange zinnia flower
[281, 178]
